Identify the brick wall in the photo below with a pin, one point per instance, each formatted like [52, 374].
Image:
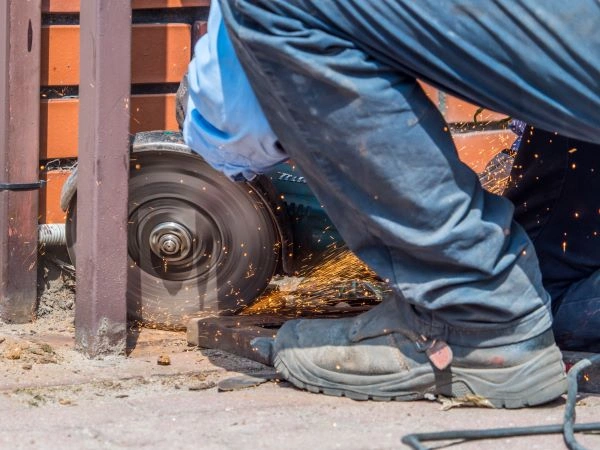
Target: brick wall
[162, 39]
[478, 134]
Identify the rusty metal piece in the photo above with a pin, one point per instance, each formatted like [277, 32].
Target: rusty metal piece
[104, 110]
[20, 43]
[251, 336]
[246, 336]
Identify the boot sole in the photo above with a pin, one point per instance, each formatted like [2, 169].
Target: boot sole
[539, 381]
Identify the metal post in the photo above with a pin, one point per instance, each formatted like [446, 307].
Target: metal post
[20, 22]
[104, 94]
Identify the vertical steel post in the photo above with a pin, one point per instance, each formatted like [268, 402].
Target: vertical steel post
[104, 99]
[20, 23]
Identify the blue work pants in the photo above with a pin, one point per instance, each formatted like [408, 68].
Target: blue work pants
[554, 186]
[337, 82]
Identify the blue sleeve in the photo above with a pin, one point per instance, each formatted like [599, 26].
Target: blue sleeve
[224, 122]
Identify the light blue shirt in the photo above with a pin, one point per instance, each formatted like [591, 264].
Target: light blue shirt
[224, 122]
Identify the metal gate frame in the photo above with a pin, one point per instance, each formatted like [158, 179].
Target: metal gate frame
[102, 191]
[105, 78]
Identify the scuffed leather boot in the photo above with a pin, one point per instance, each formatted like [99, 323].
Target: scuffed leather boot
[365, 358]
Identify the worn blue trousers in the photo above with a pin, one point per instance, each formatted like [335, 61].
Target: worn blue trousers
[554, 186]
[337, 82]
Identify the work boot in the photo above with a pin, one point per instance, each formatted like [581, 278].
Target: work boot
[365, 358]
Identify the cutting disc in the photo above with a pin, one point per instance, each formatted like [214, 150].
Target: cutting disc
[196, 240]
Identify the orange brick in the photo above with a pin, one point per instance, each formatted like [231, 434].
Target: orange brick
[160, 53]
[71, 6]
[431, 92]
[153, 112]
[457, 110]
[59, 130]
[60, 55]
[50, 211]
[59, 122]
[477, 148]
[60, 6]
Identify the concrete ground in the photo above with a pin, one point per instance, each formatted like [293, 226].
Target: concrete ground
[52, 397]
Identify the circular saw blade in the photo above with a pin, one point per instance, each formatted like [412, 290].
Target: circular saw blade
[196, 241]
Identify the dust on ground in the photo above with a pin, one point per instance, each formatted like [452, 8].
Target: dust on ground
[56, 294]
[39, 364]
[51, 396]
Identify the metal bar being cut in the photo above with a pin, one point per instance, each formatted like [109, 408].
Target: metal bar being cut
[104, 94]
[20, 24]
[251, 337]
